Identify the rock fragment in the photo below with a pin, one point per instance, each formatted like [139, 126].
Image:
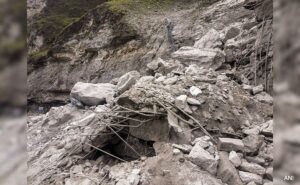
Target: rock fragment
[247, 177]
[192, 101]
[264, 97]
[93, 94]
[252, 168]
[227, 172]
[208, 58]
[269, 173]
[203, 159]
[235, 159]
[252, 143]
[195, 91]
[258, 89]
[127, 81]
[267, 128]
[211, 39]
[229, 144]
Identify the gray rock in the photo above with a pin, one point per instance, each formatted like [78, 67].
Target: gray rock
[203, 159]
[258, 89]
[183, 148]
[202, 141]
[252, 168]
[193, 101]
[181, 101]
[269, 173]
[251, 183]
[235, 159]
[153, 65]
[253, 131]
[194, 70]
[232, 33]
[229, 144]
[211, 39]
[127, 81]
[171, 81]
[227, 172]
[264, 98]
[195, 91]
[247, 177]
[252, 143]
[208, 58]
[93, 94]
[267, 128]
[247, 88]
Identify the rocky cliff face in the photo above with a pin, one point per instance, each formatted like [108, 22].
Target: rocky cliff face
[104, 44]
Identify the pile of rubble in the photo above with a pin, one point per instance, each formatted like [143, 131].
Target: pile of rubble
[182, 124]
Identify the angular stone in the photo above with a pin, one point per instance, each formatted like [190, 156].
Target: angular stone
[195, 91]
[181, 101]
[264, 97]
[267, 128]
[127, 81]
[251, 183]
[252, 131]
[202, 141]
[247, 88]
[235, 159]
[232, 33]
[183, 148]
[258, 89]
[253, 143]
[269, 173]
[208, 58]
[227, 172]
[93, 94]
[247, 177]
[252, 168]
[203, 159]
[211, 39]
[171, 81]
[156, 130]
[192, 101]
[229, 144]
[153, 65]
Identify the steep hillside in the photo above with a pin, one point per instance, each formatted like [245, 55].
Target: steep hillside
[114, 38]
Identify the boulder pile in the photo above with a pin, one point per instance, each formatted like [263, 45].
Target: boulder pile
[191, 121]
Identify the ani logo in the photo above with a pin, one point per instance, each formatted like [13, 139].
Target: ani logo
[288, 178]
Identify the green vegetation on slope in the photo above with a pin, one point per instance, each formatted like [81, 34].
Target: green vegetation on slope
[58, 14]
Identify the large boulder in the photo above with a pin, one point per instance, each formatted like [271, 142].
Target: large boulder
[207, 57]
[93, 94]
